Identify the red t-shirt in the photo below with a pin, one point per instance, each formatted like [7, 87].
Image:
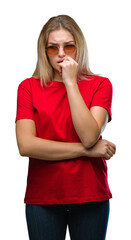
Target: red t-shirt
[70, 181]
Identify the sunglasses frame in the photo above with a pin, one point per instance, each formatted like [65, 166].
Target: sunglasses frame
[63, 47]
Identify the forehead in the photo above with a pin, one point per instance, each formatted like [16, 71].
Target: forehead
[60, 36]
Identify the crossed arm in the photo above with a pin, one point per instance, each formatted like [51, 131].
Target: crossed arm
[88, 125]
[31, 146]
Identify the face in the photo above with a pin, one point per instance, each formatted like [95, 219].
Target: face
[60, 38]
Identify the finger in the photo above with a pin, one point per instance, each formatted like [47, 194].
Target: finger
[64, 63]
[112, 145]
[69, 59]
[107, 157]
[112, 149]
[60, 70]
[110, 153]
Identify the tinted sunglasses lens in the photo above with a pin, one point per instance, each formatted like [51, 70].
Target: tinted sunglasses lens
[52, 50]
[69, 48]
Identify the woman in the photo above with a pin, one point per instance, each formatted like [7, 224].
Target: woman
[61, 112]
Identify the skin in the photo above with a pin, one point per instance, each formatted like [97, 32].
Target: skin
[60, 37]
[88, 123]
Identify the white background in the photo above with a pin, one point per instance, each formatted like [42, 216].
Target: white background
[106, 26]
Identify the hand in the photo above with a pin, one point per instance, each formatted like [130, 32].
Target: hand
[68, 70]
[102, 148]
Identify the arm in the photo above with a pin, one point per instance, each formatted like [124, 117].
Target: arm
[88, 123]
[31, 146]
[35, 147]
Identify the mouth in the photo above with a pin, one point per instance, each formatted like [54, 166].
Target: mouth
[60, 61]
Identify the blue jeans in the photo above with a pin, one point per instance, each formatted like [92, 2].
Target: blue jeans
[85, 221]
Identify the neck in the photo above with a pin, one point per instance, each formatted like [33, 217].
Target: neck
[57, 77]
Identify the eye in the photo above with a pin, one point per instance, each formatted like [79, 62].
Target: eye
[69, 48]
[52, 49]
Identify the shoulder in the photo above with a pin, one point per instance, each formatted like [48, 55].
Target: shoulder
[29, 84]
[102, 82]
[96, 79]
[95, 82]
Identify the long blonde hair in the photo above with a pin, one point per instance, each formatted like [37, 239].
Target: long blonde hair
[44, 70]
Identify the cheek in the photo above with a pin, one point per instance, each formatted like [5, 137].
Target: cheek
[73, 55]
[52, 60]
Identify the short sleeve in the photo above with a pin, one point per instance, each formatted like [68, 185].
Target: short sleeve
[103, 96]
[24, 102]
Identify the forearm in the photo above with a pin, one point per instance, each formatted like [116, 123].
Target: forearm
[48, 150]
[84, 123]
[51, 150]
[31, 146]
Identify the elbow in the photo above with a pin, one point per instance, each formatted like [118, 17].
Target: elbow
[90, 142]
[23, 149]
[25, 146]
[91, 139]
[22, 153]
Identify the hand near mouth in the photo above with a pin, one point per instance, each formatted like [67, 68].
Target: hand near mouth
[68, 70]
[60, 69]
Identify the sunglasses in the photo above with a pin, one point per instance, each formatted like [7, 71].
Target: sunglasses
[53, 50]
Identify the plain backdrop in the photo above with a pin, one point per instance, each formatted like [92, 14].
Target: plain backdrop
[106, 26]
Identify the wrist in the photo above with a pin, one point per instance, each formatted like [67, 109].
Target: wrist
[70, 83]
[84, 151]
[89, 152]
[80, 149]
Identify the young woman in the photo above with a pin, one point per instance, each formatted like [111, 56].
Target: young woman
[61, 112]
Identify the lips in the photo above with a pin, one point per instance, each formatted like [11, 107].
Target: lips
[60, 61]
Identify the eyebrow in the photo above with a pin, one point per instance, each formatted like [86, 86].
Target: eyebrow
[54, 43]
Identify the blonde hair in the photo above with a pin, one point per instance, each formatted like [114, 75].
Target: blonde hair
[44, 70]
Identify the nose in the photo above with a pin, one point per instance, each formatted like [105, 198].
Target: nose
[61, 52]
